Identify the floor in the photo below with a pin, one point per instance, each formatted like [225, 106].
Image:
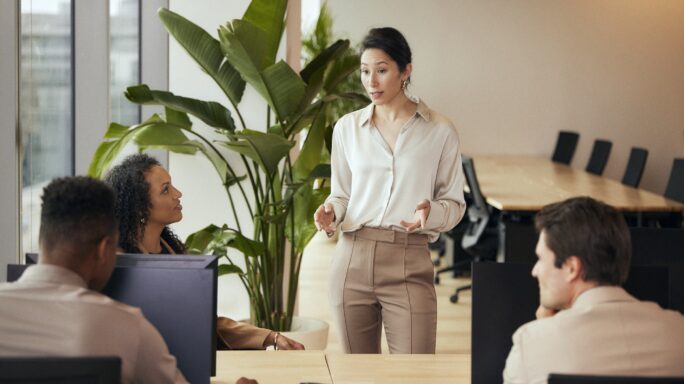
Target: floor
[453, 320]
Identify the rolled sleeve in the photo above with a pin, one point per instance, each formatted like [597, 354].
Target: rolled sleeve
[340, 177]
[448, 204]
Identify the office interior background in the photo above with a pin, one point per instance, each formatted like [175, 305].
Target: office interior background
[509, 74]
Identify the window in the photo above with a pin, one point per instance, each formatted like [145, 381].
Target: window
[45, 105]
[124, 58]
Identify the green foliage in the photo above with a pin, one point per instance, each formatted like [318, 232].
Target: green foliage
[277, 190]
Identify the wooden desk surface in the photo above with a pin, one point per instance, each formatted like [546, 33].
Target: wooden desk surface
[424, 369]
[527, 183]
[316, 367]
[272, 367]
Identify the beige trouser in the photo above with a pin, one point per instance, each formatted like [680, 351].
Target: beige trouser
[379, 275]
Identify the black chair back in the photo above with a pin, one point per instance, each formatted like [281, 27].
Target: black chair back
[635, 167]
[675, 186]
[565, 147]
[555, 378]
[60, 370]
[478, 212]
[599, 156]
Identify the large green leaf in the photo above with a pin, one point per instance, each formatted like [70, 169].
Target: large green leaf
[162, 135]
[115, 139]
[214, 239]
[310, 155]
[244, 46]
[320, 62]
[314, 72]
[265, 148]
[210, 112]
[339, 70]
[198, 242]
[206, 51]
[306, 201]
[269, 15]
[286, 90]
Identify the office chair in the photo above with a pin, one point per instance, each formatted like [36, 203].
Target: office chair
[635, 167]
[480, 239]
[599, 156]
[675, 185]
[60, 370]
[555, 378]
[565, 147]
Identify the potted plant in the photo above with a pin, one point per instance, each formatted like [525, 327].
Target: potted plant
[277, 189]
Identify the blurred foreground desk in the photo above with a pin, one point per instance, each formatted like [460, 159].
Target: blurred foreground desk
[271, 367]
[316, 367]
[424, 369]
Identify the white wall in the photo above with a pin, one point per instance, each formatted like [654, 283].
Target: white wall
[510, 74]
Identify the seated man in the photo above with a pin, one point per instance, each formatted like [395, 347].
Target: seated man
[586, 323]
[54, 309]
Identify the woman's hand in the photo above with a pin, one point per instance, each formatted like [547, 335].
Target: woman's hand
[324, 217]
[420, 217]
[280, 342]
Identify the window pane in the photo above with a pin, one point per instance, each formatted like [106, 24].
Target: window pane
[45, 105]
[124, 58]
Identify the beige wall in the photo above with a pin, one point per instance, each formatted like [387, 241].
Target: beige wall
[510, 74]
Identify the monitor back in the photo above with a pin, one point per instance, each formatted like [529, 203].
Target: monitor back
[177, 294]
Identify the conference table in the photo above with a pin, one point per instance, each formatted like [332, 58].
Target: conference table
[527, 183]
[337, 368]
[518, 186]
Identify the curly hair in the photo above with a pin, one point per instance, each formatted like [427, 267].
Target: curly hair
[78, 211]
[133, 202]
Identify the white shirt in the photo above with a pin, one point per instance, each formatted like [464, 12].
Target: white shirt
[50, 312]
[373, 186]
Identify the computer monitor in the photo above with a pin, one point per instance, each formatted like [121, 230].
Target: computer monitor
[177, 294]
[506, 296]
[60, 370]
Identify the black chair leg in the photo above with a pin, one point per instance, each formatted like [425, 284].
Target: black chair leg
[454, 297]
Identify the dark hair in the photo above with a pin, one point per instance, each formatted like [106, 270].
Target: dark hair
[591, 230]
[390, 41]
[77, 210]
[133, 202]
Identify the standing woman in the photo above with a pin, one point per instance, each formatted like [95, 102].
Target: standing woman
[146, 204]
[397, 182]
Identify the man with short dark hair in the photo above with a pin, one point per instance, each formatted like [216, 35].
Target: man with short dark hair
[586, 323]
[54, 309]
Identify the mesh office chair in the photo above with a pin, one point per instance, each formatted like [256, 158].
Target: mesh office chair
[480, 239]
[635, 167]
[599, 156]
[565, 147]
[60, 370]
[555, 378]
[675, 185]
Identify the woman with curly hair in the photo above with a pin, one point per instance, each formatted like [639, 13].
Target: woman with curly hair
[146, 204]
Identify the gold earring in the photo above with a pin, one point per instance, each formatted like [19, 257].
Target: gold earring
[404, 85]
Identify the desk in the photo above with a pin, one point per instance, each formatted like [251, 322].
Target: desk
[271, 367]
[519, 186]
[527, 183]
[316, 367]
[424, 369]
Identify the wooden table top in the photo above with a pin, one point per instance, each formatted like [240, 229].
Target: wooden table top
[527, 183]
[272, 367]
[424, 369]
[316, 367]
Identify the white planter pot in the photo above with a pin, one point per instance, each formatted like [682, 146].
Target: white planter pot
[313, 333]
